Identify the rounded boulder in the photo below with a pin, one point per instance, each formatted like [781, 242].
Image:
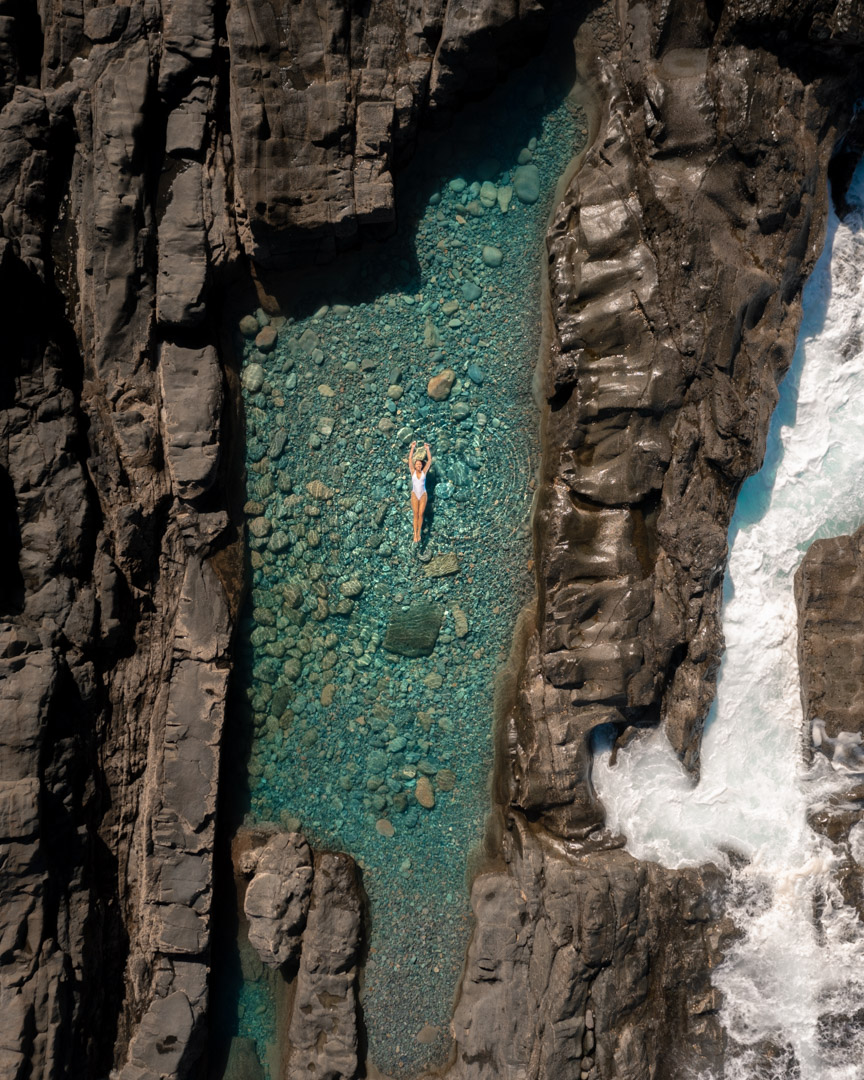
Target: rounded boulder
[440, 385]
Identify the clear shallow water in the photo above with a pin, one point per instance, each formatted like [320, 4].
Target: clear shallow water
[754, 794]
[350, 739]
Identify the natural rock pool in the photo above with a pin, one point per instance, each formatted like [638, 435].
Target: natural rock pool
[367, 750]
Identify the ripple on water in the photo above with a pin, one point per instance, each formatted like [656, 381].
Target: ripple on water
[380, 755]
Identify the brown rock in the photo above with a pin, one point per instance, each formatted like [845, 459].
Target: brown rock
[266, 338]
[183, 257]
[423, 792]
[277, 898]
[677, 257]
[442, 565]
[319, 490]
[829, 591]
[440, 385]
[191, 385]
[413, 632]
[460, 621]
[445, 780]
[323, 1028]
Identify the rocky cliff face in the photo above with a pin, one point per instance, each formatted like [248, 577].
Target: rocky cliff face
[829, 591]
[149, 150]
[116, 625]
[677, 258]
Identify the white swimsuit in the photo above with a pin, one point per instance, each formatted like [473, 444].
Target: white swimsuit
[419, 484]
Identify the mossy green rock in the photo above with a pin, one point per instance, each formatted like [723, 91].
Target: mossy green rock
[526, 183]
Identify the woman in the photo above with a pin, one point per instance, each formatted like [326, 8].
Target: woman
[418, 487]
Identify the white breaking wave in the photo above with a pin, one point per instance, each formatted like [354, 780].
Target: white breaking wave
[790, 968]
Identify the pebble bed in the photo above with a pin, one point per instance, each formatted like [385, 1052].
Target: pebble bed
[382, 755]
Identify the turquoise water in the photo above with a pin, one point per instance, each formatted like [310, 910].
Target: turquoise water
[385, 756]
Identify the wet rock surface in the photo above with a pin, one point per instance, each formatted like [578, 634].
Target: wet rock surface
[829, 592]
[666, 351]
[414, 630]
[662, 377]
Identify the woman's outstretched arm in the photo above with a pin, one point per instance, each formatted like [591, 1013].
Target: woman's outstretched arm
[411, 457]
[428, 459]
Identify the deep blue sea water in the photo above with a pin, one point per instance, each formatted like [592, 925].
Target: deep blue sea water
[349, 738]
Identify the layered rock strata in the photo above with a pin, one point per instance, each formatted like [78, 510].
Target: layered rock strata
[116, 624]
[325, 102]
[677, 258]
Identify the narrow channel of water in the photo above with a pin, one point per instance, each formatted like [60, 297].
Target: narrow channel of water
[367, 751]
[787, 970]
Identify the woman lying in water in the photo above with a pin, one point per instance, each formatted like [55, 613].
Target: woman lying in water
[418, 486]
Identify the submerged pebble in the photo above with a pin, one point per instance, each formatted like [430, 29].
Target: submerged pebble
[439, 386]
[265, 340]
[526, 183]
[424, 794]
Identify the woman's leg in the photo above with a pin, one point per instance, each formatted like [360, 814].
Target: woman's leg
[421, 511]
[415, 508]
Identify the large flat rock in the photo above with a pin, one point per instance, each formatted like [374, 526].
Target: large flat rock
[414, 632]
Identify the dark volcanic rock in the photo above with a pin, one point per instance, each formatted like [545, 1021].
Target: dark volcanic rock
[590, 956]
[115, 622]
[677, 257]
[667, 348]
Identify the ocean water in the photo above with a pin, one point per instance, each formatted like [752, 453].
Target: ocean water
[801, 954]
[381, 755]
